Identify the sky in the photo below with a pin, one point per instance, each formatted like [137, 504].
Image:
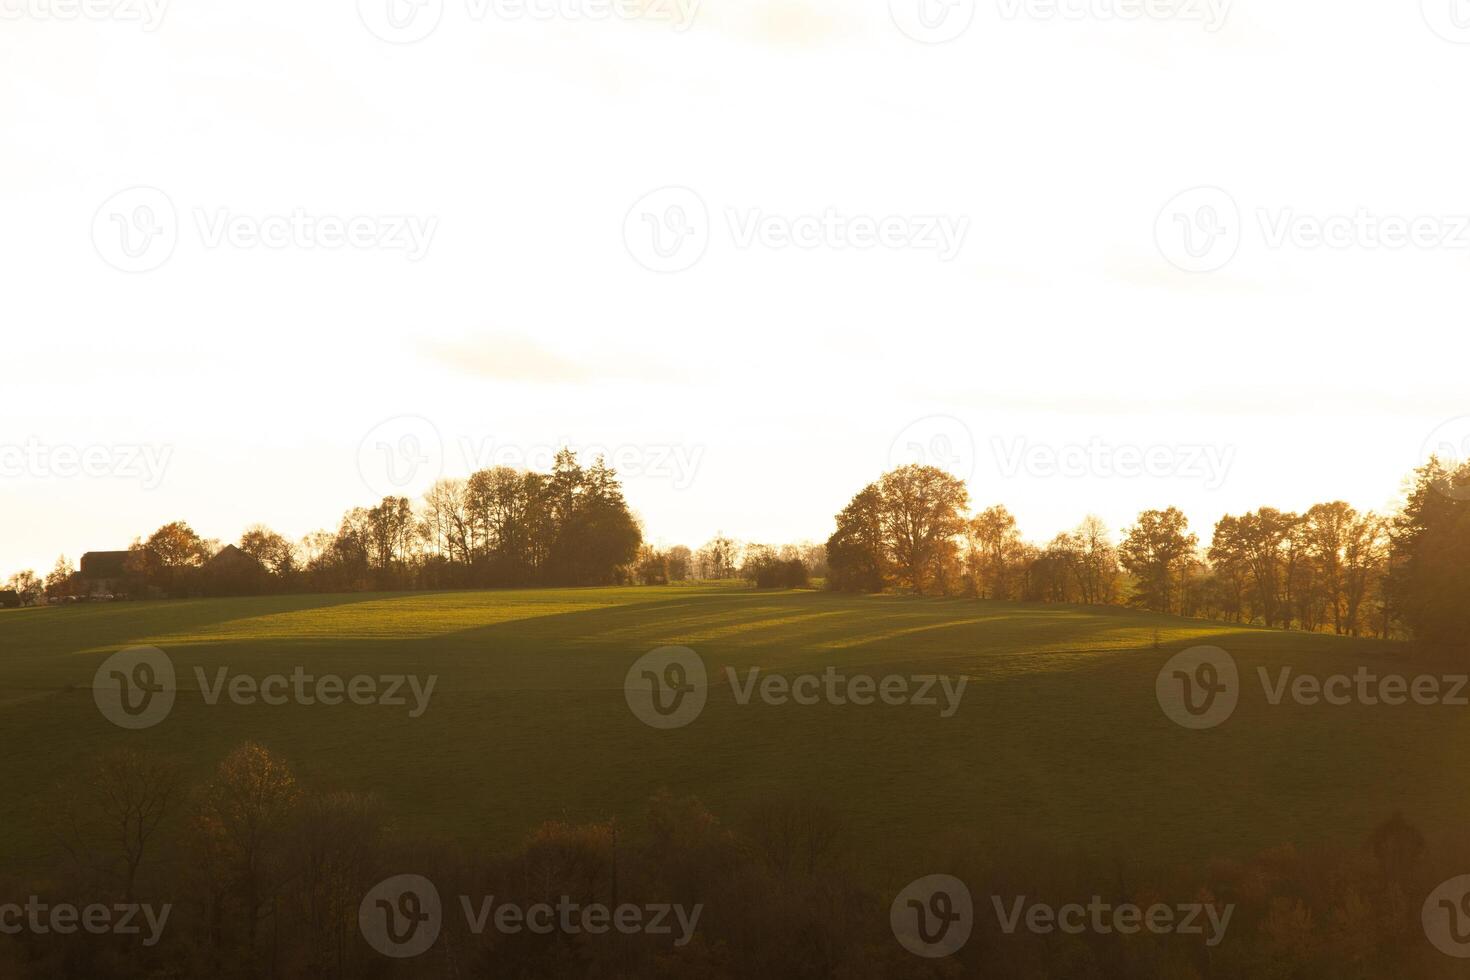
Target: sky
[265, 262]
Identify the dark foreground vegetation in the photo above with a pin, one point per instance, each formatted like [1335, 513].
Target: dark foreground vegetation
[265, 876]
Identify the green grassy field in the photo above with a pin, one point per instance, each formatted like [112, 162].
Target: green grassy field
[1059, 742]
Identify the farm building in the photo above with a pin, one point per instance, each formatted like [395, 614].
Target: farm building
[102, 573]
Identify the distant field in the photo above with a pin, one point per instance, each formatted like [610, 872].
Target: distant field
[1058, 743]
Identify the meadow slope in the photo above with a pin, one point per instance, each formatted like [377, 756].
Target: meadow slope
[1059, 743]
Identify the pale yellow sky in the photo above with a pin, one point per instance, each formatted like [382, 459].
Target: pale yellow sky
[749, 248]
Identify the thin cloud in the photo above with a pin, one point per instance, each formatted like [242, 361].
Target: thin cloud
[511, 357]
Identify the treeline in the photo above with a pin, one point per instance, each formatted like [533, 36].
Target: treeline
[499, 527]
[264, 875]
[1330, 568]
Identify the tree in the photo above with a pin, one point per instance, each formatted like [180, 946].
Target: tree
[1155, 552]
[1364, 560]
[169, 557]
[333, 843]
[1428, 585]
[1097, 562]
[899, 531]
[680, 561]
[239, 823]
[768, 568]
[58, 582]
[276, 554]
[110, 820]
[1266, 545]
[921, 513]
[857, 556]
[27, 585]
[652, 567]
[719, 558]
[995, 551]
